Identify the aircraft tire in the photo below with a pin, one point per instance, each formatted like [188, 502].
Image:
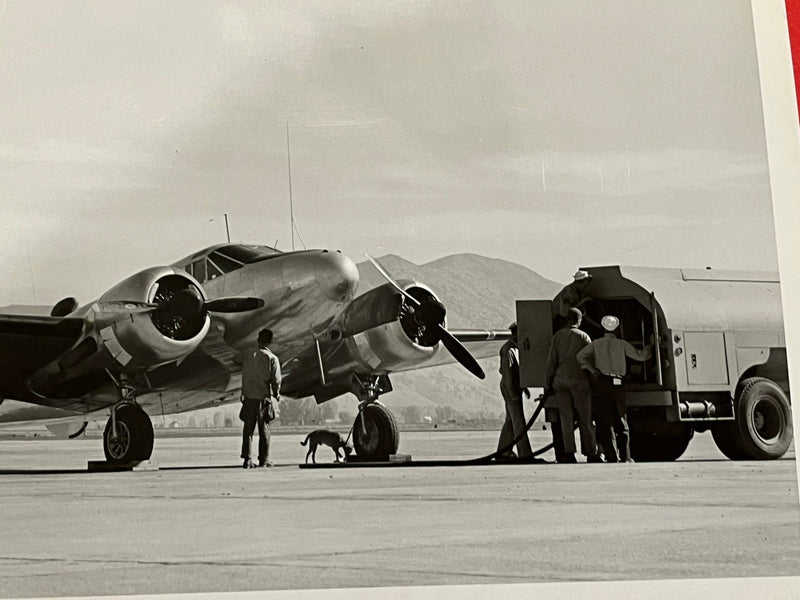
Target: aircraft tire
[763, 426]
[135, 436]
[649, 446]
[382, 437]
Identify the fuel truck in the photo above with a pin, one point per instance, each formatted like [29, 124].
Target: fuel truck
[718, 356]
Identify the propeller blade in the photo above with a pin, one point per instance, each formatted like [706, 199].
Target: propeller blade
[389, 278]
[234, 305]
[460, 353]
[124, 306]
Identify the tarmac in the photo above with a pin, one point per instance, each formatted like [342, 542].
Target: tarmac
[201, 523]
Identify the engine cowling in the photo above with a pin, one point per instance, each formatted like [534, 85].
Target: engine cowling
[150, 318]
[385, 333]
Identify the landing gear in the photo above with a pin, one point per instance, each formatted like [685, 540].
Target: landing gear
[763, 426]
[133, 441]
[375, 434]
[128, 436]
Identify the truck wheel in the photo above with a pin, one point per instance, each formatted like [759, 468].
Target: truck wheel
[725, 437]
[378, 437]
[648, 446]
[763, 426]
[134, 441]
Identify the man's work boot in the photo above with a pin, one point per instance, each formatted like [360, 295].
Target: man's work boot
[506, 457]
[247, 464]
[567, 457]
[594, 458]
[266, 463]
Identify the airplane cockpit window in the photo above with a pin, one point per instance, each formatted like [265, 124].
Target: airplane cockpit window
[234, 256]
[213, 270]
[247, 254]
[199, 270]
[223, 263]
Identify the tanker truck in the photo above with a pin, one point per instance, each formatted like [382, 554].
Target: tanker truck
[718, 356]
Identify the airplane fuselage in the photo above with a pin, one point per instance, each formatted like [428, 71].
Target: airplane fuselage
[303, 292]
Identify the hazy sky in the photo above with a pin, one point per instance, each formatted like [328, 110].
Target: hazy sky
[555, 134]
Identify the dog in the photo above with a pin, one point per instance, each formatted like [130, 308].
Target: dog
[328, 438]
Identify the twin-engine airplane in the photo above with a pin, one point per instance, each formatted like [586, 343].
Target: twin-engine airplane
[168, 340]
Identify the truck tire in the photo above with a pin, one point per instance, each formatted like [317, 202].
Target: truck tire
[725, 437]
[378, 437]
[649, 446]
[763, 425]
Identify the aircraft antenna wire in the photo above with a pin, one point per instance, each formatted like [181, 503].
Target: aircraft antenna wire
[291, 200]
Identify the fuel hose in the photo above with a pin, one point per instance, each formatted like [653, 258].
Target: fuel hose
[482, 460]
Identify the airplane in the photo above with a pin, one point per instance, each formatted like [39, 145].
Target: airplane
[168, 339]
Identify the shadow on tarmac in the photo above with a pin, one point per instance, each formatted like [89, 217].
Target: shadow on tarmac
[332, 465]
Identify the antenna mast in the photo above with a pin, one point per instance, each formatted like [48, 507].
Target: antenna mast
[227, 231]
[291, 202]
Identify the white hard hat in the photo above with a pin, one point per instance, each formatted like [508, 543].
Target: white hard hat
[609, 322]
[579, 275]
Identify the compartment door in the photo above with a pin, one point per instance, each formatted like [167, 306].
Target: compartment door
[534, 331]
[706, 361]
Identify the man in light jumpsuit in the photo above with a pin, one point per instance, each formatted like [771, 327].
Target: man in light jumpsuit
[511, 390]
[261, 378]
[604, 359]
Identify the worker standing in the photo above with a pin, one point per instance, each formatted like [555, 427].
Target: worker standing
[570, 386]
[576, 295]
[604, 359]
[512, 391]
[261, 379]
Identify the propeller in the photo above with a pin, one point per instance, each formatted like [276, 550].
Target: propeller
[188, 304]
[178, 311]
[428, 314]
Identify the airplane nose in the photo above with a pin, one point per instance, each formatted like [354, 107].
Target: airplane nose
[337, 276]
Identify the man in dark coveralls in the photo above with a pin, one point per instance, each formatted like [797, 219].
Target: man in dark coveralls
[261, 378]
[573, 396]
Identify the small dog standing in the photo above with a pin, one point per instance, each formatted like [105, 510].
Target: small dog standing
[328, 438]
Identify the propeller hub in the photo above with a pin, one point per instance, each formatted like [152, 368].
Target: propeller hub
[430, 313]
[185, 304]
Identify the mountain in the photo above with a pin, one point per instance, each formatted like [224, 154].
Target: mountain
[479, 292]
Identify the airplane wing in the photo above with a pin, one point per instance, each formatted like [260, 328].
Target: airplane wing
[481, 343]
[28, 343]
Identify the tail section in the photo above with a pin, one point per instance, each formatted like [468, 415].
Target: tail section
[305, 441]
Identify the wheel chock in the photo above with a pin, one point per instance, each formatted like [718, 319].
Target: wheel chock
[101, 466]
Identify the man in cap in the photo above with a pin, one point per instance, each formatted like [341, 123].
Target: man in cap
[604, 359]
[573, 396]
[261, 378]
[510, 388]
[575, 295]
